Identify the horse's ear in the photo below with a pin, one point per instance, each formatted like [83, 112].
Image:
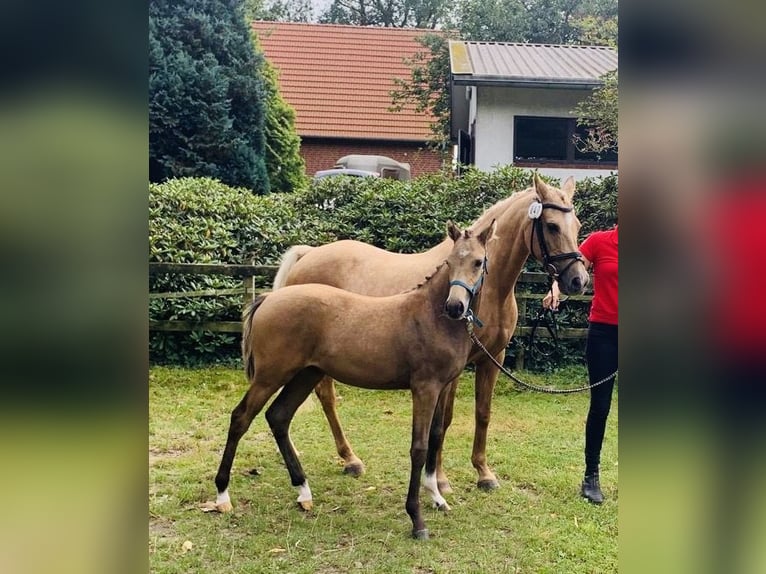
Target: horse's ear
[488, 232]
[540, 186]
[453, 231]
[569, 187]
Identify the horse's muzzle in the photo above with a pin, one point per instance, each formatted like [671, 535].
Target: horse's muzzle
[574, 283]
[454, 309]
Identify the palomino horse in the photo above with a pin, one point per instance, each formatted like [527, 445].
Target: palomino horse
[540, 220]
[294, 336]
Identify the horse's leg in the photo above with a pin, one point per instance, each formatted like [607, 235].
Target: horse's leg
[424, 398]
[241, 417]
[280, 414]
[441, 477]
[325, 391]
[486, 377]
[435, 442]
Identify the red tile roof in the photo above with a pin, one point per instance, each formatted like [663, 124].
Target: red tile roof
[338, 78]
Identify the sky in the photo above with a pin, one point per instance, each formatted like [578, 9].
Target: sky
[319, 6]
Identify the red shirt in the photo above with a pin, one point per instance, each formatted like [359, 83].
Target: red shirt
[600, 248]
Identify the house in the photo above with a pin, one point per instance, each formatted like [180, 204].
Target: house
[338, 79]
[513, 104]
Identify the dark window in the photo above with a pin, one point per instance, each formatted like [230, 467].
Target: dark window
[551, 140]
[541, 138]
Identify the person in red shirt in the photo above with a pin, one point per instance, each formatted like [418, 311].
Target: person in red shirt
[600, 252]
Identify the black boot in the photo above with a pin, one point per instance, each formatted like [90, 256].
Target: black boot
[591, 489]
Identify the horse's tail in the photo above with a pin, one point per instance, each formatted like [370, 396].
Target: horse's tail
[247, 324]
[289, 259]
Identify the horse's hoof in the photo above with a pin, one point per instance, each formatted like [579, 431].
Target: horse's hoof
[355, 469]
[488, 484]
[444, 487]
[210, 506]
[306, 505]
[443, 507]
[420, 534]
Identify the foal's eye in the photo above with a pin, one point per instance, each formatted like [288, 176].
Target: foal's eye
[477, 263]
[553, 228]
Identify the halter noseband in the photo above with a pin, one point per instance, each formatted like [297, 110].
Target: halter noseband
[535, 214]
[472, 291]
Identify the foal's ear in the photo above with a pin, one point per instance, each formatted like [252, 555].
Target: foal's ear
[453, 231]
[487, 233]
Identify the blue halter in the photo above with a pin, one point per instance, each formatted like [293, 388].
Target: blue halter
[473, 291]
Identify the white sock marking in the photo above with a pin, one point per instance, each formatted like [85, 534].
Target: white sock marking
[432, 488]
[304, 492]
[223, 497]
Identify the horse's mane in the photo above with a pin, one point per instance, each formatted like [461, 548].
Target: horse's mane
[494, 211]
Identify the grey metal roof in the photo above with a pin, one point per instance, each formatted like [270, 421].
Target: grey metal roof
[529, 64]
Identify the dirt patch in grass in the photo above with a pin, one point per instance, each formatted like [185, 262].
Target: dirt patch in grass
[162, 532]
[158, 455]
[528, 489]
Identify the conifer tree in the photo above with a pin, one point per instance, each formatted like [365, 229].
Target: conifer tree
[206, 94]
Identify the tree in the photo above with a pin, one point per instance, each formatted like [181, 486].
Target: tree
[535, 21]
[598, 114]
[389, 13]
[597, 31]
[428, 86]
[279, 10]
[206, 98]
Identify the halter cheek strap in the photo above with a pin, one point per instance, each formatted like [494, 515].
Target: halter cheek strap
[472, 291]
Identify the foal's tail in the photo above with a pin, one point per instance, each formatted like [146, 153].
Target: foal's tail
[247, 324]
[289, 259]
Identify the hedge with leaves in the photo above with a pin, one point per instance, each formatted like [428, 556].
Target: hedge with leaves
[201, 220]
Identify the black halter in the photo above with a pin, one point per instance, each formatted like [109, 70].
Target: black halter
[537, 226]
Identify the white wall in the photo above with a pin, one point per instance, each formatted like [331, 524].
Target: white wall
[494, 109]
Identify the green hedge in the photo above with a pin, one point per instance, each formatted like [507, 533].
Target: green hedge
[203, 221]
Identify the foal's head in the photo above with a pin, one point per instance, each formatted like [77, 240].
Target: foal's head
[467, 265]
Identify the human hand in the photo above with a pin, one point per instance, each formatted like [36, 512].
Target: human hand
[551, 301]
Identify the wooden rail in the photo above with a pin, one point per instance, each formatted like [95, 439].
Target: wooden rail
[248, 290]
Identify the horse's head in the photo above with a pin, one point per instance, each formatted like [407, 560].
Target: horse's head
[467, 265]
[553, 240]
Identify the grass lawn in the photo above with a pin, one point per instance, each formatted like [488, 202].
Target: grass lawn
[534, 523]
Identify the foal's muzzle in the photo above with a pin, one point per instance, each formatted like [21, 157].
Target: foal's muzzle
[454, 309]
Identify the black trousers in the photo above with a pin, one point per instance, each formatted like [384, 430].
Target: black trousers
[601, 356]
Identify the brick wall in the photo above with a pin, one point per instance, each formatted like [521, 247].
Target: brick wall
[323, 153]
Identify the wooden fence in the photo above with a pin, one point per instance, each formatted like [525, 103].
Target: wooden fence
[248, 291]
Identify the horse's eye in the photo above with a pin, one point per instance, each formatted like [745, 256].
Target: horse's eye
[553, 228]
[477, 263]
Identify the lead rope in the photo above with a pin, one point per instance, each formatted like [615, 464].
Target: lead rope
[475, 339]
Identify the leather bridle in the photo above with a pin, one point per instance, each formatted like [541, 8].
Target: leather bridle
[535, 213]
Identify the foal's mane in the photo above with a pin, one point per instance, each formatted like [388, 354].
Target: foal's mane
[427, 278]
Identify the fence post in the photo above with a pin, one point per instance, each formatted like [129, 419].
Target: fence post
[248, 281]
[521, 320]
